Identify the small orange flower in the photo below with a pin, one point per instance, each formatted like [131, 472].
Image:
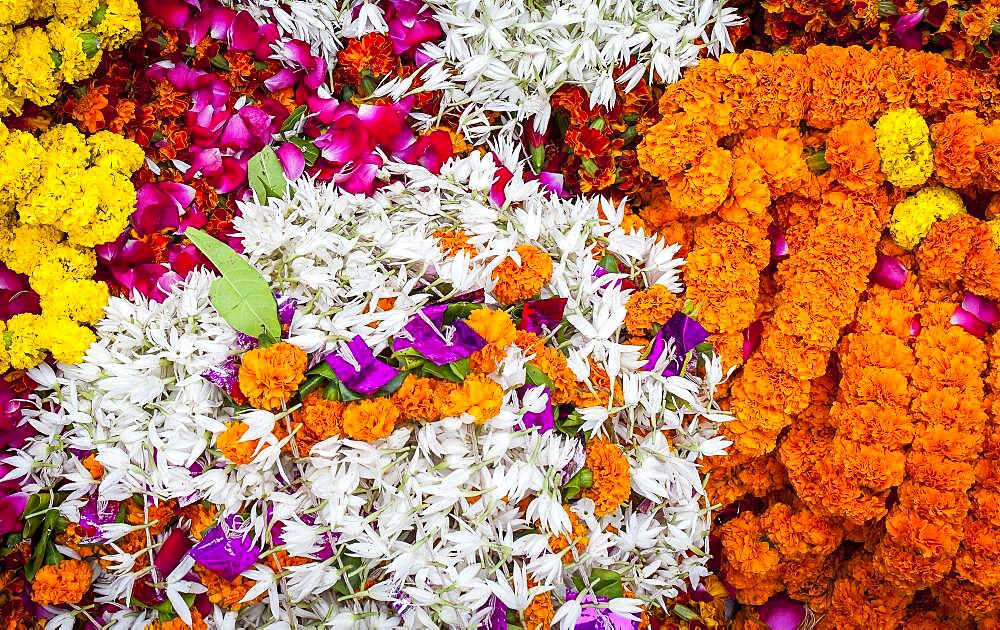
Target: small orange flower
[539, 613]
[649, 308]
[453, 241]
[478, 396]
[318, 419]
[63, 583]
[93, 466]
[269, 376]
[612, 478]
[224, 593]
[371, 419]
[496, 327]
[89, 110]
[421, 398]
[520, 282]
[578, 538]
[202, 517]
[229, 443]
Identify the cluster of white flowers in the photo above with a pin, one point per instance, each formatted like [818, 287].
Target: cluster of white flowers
[440, 520]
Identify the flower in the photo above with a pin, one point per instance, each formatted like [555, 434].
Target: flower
[269, 376]
[611, 476]
[370, 420]
[233, 447]
[517, 280]
[63, 583]
[913, 217]
[369, 375]
[903, 142]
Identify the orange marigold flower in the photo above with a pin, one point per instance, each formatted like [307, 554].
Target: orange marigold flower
[702, 187]
[497, 328]
[578, 538]
[420, 398]
[319, 418]
[649, 308]
[371, 419]
[749, 196]
[202, 517]
[178, 624]
[89, 110]
[226, 594]
[956, 140]
[63, 583]
[453, 241]
[612, 477]
[269, 376]
[779, 153]
[853, 158]
[371, 55]
[157, 515]
[516, 282]
[539, 613]
[93, 466]
[673, 144]
[478, 396]
[232, 447]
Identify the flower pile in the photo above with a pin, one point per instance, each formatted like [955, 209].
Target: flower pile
[842, 252]
[63, 193]
[457, 411]
[44, 44]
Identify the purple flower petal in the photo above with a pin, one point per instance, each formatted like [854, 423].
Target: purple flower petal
[779, 246]
[983, 309]
[539, 315]
[599, 618]
[498, 615]
[889, 272]
[905, 30]
[223, 375]
[286, 307]
[751, 338]
[544, 419]
[441, 344]
[370, 375]
[686, 333]
[11, 509]
[553, 182]
[95, 513]
[782, 613]
[227, 555]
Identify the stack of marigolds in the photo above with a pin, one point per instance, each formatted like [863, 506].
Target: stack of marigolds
[60, 195]
[862, 478]
[44, 43]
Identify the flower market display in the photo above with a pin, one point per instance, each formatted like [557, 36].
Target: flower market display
[486, 315]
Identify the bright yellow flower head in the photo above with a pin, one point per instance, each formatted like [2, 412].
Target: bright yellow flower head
[79, 300]
[30, 69]
[76, 13]
[13, 12]
[115, 152]
[22, 157]
[78, 52]
[4, 355]
[120, 23]
[913, 217]
[64, 338]
[59, 264]
[22, 341]
[108, 200]
[903, 142]
[28, 245]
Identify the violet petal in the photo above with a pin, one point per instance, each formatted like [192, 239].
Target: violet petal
[371, 374]
[889, 272]
[226, 555]
[782, 613]
[11, 509]
[544, 419]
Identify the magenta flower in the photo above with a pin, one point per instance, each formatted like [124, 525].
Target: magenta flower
[782, 613]
[539, 315]
[427, 333]
[16, 296]
[298, 57]
[95, 513]
[410, 24]
[687, 335]
[545, 419]
[173, 549]
[889, 272]
[11, 509]
[293, 161]
[905, 30]
[430, 151]
[159, 206]
[225, 553]
[364, 373]
[592, 618]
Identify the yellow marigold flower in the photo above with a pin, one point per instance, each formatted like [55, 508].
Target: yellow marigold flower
[995, 229]
[13, 12]
[63, 583]
[913, 217]
[116, 152]
[30, 68]
[612, 479]
[371, 419]
[903, 141]
[22, 157]
[59, 264]
[64, 338]
[79, 300]
[269, 376]
[76, 13]
[102, 213]
[516, 282]
[478, 396]
[4, 355]
[29, 245]
[22, 340]
[78, 52]
[235, 450]
[66, 148]
[120, 23]
[42, 9]
[10, 102]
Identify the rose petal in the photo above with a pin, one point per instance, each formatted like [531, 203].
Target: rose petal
[11, 509]
[968, 321]
[293, 161]
[226, 555]
[889, 272]
[544, 419]
[983, 309]
[539, 315]
[779, 246]
[751, 338]
[782, 613]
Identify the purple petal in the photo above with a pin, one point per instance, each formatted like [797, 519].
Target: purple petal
[779, 246]
[498, 615]
[226, 555]
[751, 338]
[983, 309]
[599, 618]
[686, 332]
[293, 161]
[11, 509]
[437, 342]
[539, 315]
[95, 513]
[286, 308]
[370, 375]
[968, 321]
[553, 182]
[889, 272]
[223, 375]
[782, 613]
[473, 297]
[905, 29]
[544, 419]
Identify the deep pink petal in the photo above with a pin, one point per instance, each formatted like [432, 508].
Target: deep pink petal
[293, 161]
[317, 76]
[968, 321]
[299, 53]
[408, 34]
[172, 13]
[386, 124]
[553, 182]
[360, 179]
[779, 246]
[983, 309]
[344, 142]
[11, 281]
[244, 34]
[782, 613]
[11, 509]
[328, 110]
[284, 78]
[259, 122]
[236, 135]
[234, 175]
[183, 77]
[497, 194]
[215, 93]
[889, 272]
[206, 161]
[751, 338]
[905, 29]
[268, 35]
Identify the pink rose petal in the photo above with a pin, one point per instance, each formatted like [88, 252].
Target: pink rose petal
[889, 272]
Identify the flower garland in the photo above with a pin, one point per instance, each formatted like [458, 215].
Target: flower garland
[36, 57]
[65, 193]
[520, 447]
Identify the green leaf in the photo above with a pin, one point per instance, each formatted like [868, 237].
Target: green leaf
[56, 58]
[577, 484]
[570, 425]
[99, 13]
[308, 148]
[336, 390]
[41, 548]
[685, 613]
[460, 310]
[536, 377]
[609, 262]
[293, 119]
[323, 369]
[352, 578]
[390, 388]
[312, 384]
[242, 296]
[579, 583]
[460, 368]
[606, 583]
[267, 178]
